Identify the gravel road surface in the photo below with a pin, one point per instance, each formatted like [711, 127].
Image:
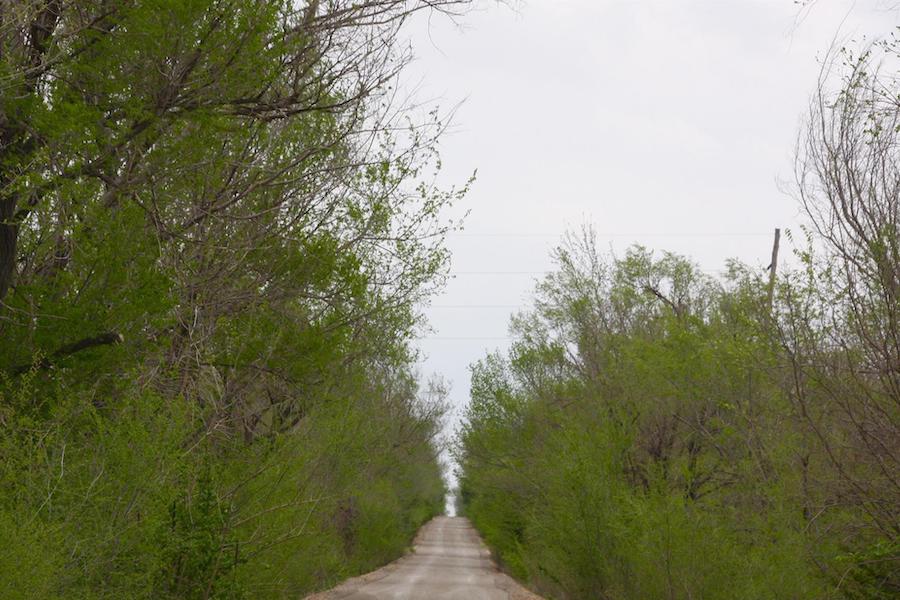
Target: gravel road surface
[449, 562]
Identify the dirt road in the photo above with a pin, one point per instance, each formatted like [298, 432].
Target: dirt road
[449, 562]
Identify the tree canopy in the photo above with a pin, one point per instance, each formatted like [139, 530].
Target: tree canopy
[217, 224]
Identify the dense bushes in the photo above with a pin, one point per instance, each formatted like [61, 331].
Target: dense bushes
[637, 447]
[657, 433]
[126, 501]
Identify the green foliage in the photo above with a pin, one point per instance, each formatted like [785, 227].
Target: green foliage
[215, 231]
[126, 501]
[640, 441]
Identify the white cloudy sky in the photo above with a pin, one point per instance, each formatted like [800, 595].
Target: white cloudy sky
[663, 122]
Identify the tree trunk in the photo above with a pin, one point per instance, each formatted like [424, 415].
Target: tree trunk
[9, 233]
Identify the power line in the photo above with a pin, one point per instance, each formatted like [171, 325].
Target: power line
[500, 272]
[464, 338]
[698, 234]
[707, 271]
[476, 306]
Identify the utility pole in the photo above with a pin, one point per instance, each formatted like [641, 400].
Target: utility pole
[773, 267]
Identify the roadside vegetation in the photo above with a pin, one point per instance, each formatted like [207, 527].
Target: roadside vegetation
[655, 432]
[216, 225]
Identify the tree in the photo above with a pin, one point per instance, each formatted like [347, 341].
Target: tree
[842, 322]
[216, 224]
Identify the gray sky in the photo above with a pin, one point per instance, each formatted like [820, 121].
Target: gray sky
[665, 122]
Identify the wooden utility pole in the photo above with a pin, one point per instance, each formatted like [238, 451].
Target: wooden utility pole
[773, 267]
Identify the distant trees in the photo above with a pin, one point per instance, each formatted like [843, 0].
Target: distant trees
[657, 433]
[216, 221]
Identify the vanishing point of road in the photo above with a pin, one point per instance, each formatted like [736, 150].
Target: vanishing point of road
[448, 562]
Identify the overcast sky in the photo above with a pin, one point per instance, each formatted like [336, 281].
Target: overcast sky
[667, 123]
